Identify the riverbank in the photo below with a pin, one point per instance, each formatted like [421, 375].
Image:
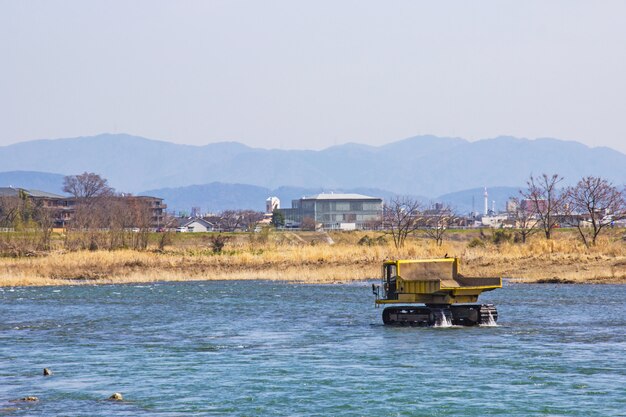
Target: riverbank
[322, 258]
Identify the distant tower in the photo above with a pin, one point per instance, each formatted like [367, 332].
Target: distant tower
[486, 202]
[493, 206]
[271, 204]
[511, 206]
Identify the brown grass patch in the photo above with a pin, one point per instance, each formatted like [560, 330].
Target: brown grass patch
[308, 257]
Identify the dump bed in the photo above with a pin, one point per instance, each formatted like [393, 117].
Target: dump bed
[435, 281]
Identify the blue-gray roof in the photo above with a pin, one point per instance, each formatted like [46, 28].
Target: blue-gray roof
[44, 194]
[8, 191]
[12, 192]
[340, 196]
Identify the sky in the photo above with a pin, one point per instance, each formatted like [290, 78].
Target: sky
[309, 75]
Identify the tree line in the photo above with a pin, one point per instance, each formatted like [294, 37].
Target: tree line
[102, 218]
[590, 206]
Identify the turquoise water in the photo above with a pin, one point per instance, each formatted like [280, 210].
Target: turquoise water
[270, 349]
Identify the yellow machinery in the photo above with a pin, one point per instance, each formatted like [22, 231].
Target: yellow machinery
[448, 297]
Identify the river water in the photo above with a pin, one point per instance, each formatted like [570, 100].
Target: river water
[254, 348]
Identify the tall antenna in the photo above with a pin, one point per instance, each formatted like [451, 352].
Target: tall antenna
[486, 202]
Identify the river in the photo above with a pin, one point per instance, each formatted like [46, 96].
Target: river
[256, 348]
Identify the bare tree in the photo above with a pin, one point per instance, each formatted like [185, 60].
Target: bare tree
[45, 219]
[17, 211]
[546, 200]
[525, 220]
[230, 220]
[594, 203]
[217, 242]
[308, 224]
[250, 219]
[400, 218]
[142, 222]
[91, 212]
[9, 210]
[436, 222]
[86, 185]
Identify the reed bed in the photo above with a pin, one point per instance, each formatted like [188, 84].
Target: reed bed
[320, 258]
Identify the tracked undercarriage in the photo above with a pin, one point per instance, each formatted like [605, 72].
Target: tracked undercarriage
[438, 294]
[455, 315]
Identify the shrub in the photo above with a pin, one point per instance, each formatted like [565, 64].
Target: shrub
[476, 243]
[217, 242]
[501, 236]
[368, 241]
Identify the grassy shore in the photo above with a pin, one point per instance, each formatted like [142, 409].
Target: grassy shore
[322, 258]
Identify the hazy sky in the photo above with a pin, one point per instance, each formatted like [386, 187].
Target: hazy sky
[295, 74]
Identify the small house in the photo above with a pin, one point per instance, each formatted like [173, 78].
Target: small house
[193, 225]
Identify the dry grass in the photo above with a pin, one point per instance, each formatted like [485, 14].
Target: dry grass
[308, 257]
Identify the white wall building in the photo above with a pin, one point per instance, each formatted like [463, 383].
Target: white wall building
[194, 225]
[271, 204]
[495, 221]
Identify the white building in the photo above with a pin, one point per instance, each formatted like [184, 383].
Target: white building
[271, 204]
[495, 221]
[194, 224]
[336, 211]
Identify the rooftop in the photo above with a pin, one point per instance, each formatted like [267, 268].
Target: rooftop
[11, 191]
[8, 192]
[339, 196]
[38, 193]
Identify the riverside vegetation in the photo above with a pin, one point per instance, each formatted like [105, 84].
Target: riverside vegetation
[308, 257]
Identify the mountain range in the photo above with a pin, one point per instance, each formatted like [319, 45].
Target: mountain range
[428, 166]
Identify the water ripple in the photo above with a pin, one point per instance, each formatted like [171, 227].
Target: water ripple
[266, 348]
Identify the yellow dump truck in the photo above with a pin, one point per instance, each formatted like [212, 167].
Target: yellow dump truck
[448, 297]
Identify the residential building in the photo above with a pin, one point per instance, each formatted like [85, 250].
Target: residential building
[63, 208]
[194, 224]
[154, 204]
[497, 221]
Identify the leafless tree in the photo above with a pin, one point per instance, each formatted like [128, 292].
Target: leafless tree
[34, 216]
[594, 203]
[118, 221]
[435, 223]
[165, 239]
[401, 216]
[44, 217]
[142, 222]
[308, 224]
[250, 219]
[93, 210]
[86, 185]
[525, 220]
[127, 220]
[17, 211]
[230, 220]
[546, 200]
[217, 242]
[9, 210]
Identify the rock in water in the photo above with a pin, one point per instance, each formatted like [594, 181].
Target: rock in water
[30, 398]
[116, 397]
[47, 372]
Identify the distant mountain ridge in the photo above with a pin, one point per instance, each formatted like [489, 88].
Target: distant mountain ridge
[216, 197]
[29, 180]
[422, 165]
